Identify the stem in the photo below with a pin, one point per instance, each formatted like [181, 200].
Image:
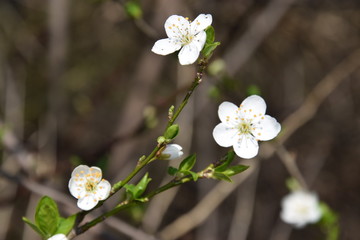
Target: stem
[202, 66]
[127, 203]
[142, 163]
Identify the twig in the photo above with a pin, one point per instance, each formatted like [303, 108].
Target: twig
[204, 208]
[290, 164]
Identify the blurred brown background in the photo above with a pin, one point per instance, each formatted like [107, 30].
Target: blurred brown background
[79, 84]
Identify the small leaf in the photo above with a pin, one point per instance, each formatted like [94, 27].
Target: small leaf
[209, 48]
[172, 171]
[225, 161]
[210, 34]
[194, 175]
[188, 163]
[33, 226]
[66, 224]
[220, 176]
[171, 132]
[130, 191]
[133, 9]
[47, 216]
[141, 186]
[233, 170]
[329, 222]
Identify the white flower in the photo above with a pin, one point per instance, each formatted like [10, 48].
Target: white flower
[87, 185]
[58, 237]
[171, 152]
[183, 33]
[300, 208]
[242, 127]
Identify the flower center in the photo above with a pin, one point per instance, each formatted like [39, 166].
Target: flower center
[303, 210]
[244, 127]
[186, 39]
[90, 186]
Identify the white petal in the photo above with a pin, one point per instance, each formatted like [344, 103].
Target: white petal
[267, 128]
[300, 208]
[165, 46]
[246, 146]
[199, 40]
[227, 112]
[253, 105]
[58, 237]
[176, 26]
[172, 151]
[94, 175]
[77, 187]
[80, 171]
[103, 190]
[88, 202]
[201, 22]
[224, 135]
[188, 54]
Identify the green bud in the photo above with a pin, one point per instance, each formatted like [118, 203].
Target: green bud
[172, 131]
[161, 139]
[171, 111]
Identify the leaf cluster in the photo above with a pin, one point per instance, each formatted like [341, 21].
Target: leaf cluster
[134, 192]
[48, 221]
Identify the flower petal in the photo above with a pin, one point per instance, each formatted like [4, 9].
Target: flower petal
[253, 105]
[267, 128]
[88, 202]
[77, 187]
[59, 236]
[80, 171]
[94, 175]
[246, 146]
[224, 135]
[176, 26]
[201, 22]
[227, 112]
[199, 40]
[103, 190]
[165, 46]
[171, 152]
[188, 54]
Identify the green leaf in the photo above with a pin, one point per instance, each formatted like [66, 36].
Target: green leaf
[172, 131]
[33, 226]
[135, 191]
[47, 216]
[253, 90]
[141, 186]
[194, 175]
[225, 161]
[220, 176]
[66, 224]
[188, 163]
[172, 171]
[329, 222]
[209, 48]
[210, 34]
[133, 9]
[233, 170]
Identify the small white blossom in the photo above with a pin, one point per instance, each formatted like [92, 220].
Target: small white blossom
[58, 237]
[190, 36]
[242, 127]
[300, 208]
[171, 152]
[87, 185]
